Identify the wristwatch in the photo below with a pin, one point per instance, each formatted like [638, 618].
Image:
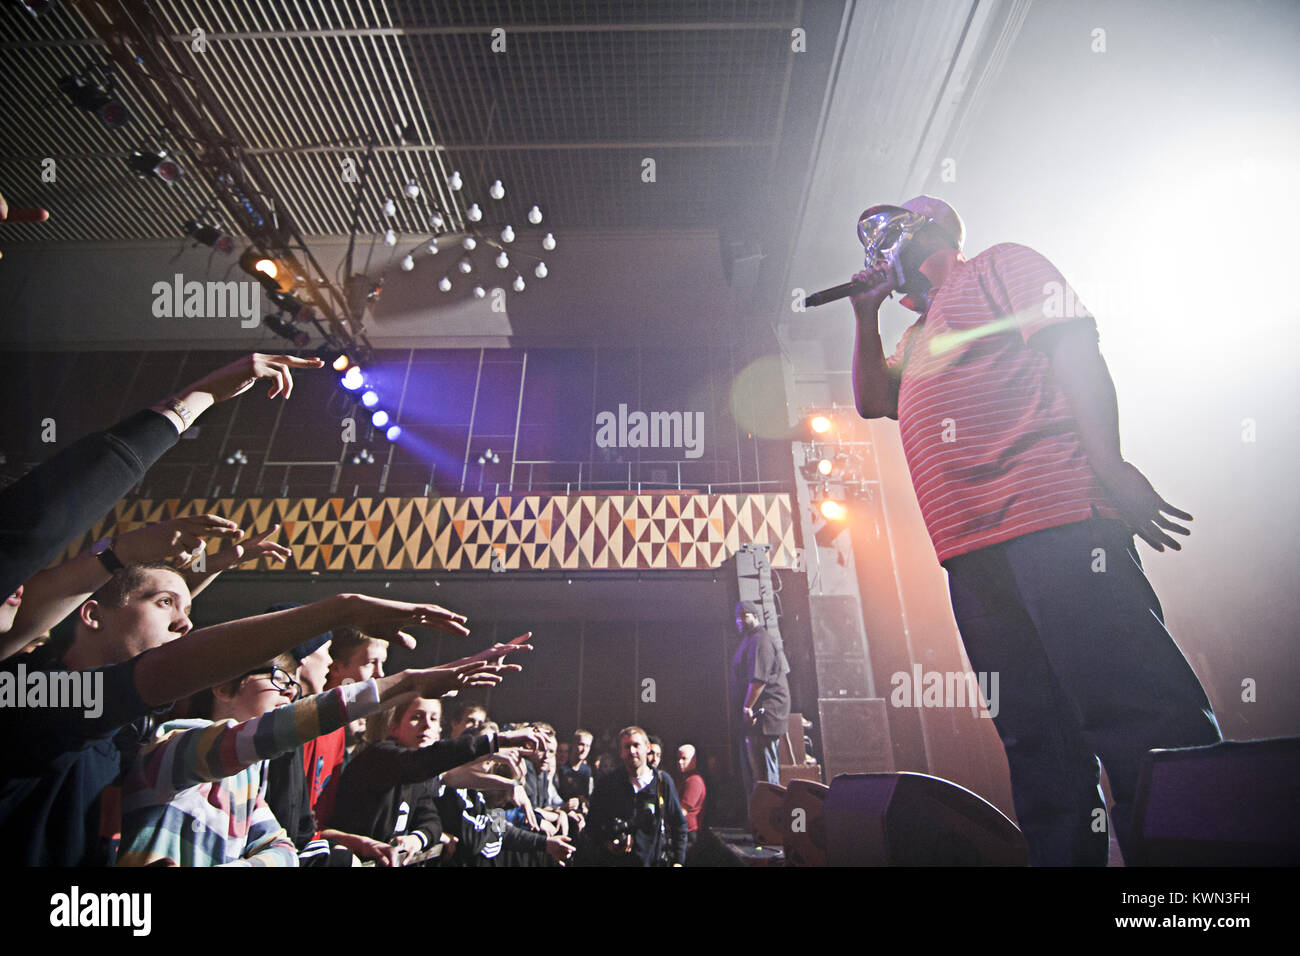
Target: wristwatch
[103, 549]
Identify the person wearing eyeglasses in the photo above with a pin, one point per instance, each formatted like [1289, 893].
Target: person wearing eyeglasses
[196, 796]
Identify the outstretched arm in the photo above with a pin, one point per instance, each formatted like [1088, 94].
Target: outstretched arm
[205, 658]
[60, 498]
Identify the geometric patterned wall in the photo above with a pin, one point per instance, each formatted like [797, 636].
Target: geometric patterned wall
[513, 532]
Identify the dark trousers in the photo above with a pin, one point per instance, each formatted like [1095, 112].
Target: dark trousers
[1086, 670]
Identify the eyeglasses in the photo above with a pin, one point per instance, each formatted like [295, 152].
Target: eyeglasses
[281, 680]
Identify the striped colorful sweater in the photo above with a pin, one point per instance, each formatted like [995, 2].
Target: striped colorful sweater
[197, 794]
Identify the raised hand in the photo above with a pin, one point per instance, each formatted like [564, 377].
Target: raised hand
[1144, 509]
[497, 652]
[239, 376]
[179, 539]
[248, 550]
[881, 284]
[436, 681]
[383, 619]
[526, 739]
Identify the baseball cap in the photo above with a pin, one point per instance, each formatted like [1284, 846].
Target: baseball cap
[941, 214]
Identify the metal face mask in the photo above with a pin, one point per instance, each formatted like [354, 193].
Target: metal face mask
[884, 232]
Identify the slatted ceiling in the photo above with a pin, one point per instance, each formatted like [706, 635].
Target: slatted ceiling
[585, 91]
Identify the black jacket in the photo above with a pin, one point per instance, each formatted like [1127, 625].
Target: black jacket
[61, 499]
[654, 815]
[383, 794]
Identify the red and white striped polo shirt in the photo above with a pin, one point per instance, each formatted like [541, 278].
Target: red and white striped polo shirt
[991, 443]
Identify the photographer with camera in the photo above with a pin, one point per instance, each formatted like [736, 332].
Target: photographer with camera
[636, 818]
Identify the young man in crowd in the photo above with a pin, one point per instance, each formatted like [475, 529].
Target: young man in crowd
[575, 778]
[134, 648]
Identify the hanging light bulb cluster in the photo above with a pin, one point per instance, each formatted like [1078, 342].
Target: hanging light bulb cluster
[485, 232]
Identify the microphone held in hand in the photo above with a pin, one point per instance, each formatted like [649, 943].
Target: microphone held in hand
[834, 293]
[874, 280]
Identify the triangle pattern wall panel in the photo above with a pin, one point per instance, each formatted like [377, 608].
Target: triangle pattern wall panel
[514, 532]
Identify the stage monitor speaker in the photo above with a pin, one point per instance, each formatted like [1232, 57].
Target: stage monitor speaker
[855, 736]
[765, 807]
[1230, 804]
[803, 823]
[911, 819]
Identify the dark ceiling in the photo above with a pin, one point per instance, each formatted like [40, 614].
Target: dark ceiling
[564, 116]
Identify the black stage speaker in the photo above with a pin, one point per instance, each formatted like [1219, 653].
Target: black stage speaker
[838, 646]
[855, 736]
[911, 819]
[1230, 804]
[753, 566]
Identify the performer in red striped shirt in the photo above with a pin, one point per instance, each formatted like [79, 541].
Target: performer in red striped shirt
[1010, 426]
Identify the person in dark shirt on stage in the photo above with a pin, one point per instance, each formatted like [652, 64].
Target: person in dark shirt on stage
[759, 685]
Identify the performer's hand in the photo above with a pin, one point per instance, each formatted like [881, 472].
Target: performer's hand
[866, 305]
[1143, 509]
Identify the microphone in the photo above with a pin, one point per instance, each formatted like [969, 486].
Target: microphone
[835, 292]
[855, 287]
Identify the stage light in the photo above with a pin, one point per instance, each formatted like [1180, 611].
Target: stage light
[363, 457]
[508, 234]
[282, 327]
[379, 419]
[540, 271]
[275, 276]
[833, 510]
[825, 467]
[95, 96]
[158, 165]
[209, 236]
[455, 182]
[497, 191]
[351, 379]
[479, 292]
[444, 284]
[534, 215]
[394, 432]
[389, 208]
[465, 266]
[340, 363]
[519, 284]
[436, 220]
[237, 457]
[412, 191]
[474, 214]
[390, 237]
[503, 260]
[408, 263]
[820, 424]
[470, 243]
[370, 398]
[548, 242]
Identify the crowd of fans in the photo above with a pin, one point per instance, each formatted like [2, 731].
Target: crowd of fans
[133, 739]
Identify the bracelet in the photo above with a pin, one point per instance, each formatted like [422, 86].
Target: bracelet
[181, 409]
